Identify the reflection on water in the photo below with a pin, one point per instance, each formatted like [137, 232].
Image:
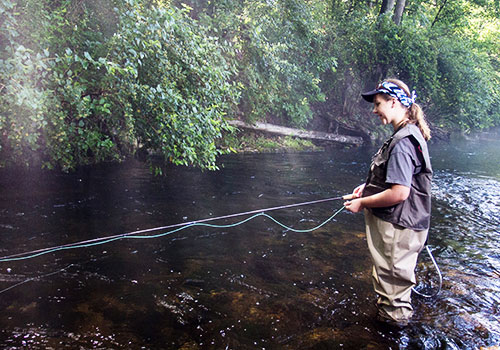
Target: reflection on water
[254, 286]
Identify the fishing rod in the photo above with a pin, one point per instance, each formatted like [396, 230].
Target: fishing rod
[133, 234]
[180, 226]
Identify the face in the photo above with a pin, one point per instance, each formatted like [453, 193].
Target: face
[383, 108]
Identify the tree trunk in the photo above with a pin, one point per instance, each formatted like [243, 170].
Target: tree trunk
[398, 13]
[303, 134]
[387, 6]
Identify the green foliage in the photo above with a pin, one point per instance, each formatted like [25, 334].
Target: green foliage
[456, 76]
[298, 144]
[56, 108]
[455, 82]
[279, 54]
[24, 104]
[88, 91]
[469, 87]
[177, 82]
[83, 82]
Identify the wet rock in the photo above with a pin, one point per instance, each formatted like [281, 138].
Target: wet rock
[194, 282]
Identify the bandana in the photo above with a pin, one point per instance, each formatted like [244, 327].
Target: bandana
[395, 91]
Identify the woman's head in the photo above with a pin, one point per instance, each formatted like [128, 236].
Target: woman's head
[399, 91]
[389, 110]
[392, 88]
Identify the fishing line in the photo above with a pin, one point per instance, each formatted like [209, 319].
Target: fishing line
[180, 226]
[35, 278]
[439, 275]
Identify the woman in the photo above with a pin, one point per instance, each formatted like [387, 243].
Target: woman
[396, 199]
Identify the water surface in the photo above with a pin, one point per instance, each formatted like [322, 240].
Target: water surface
[254, 286]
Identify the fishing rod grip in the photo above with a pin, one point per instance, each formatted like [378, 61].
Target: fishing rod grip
[348, 197]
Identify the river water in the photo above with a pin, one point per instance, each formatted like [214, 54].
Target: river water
[252, 286]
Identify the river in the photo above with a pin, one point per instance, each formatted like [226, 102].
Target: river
[253, 286]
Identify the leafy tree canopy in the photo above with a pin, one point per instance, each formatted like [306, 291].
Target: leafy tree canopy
[79, 89]
[83, 82]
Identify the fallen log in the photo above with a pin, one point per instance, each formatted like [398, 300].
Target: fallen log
[304, 134]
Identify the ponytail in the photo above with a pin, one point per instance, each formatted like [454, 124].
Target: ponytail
[416, 116]
[414, 113]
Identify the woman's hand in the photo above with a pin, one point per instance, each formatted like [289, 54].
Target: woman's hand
[354, 203]
[358, 191]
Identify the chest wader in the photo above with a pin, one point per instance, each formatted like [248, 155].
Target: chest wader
[397, 234]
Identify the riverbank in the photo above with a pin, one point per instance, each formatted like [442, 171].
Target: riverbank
[247, 141]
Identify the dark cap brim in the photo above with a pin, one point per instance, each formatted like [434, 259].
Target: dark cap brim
[370, 95]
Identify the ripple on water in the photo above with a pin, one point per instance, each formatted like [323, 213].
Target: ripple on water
[477, 198]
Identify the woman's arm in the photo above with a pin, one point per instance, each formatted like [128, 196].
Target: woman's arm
[394, 195]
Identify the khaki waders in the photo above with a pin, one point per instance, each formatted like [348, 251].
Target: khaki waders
[394, 252]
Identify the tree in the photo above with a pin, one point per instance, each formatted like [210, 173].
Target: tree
[387, 6]
[76, 91]
[280, 54]
[83, 82]
[398, 12]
